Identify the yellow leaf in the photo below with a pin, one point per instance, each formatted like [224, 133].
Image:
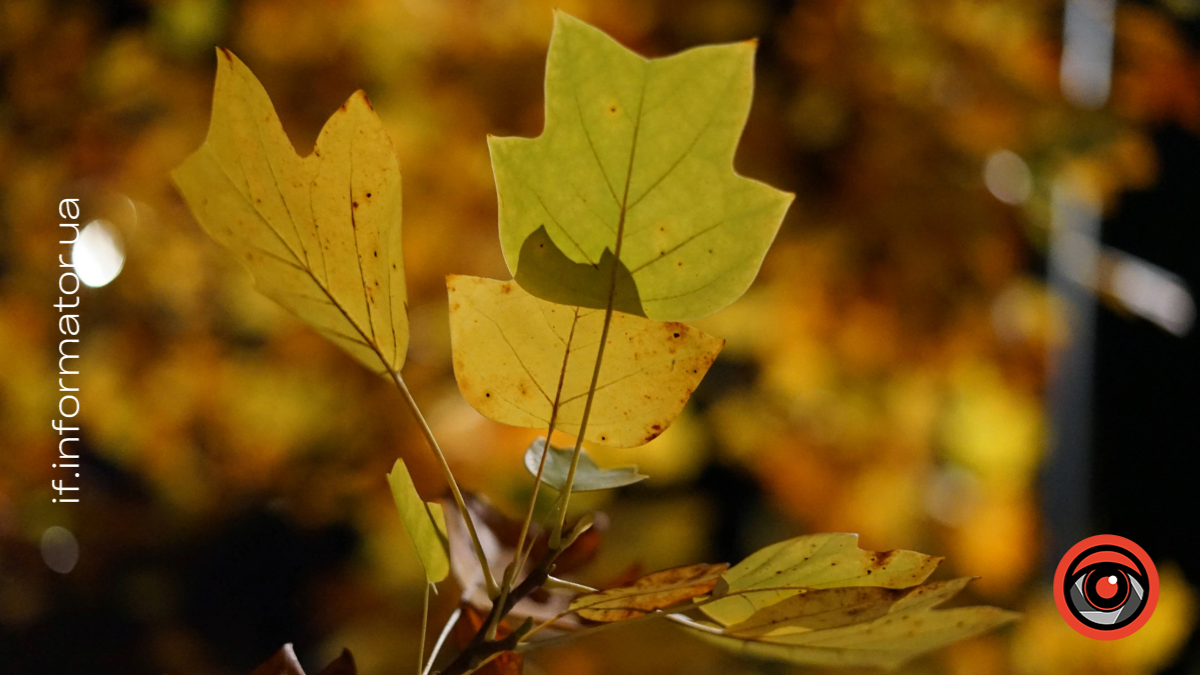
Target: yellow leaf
[833, 607]
[650, 593]
[887, 641]
[811, 562]
[320, 234]
[424, 521]
[517, 358]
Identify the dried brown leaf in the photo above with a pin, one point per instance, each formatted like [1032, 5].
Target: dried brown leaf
[650, 593]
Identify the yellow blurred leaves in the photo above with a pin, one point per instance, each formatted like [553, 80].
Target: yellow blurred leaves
[1045, 645]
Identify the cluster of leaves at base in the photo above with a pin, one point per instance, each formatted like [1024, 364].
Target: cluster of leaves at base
[817, 600]
[624, 217]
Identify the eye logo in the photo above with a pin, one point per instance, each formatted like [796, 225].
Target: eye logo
[1106, 587]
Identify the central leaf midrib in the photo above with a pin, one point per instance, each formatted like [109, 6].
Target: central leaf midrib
[369, 340]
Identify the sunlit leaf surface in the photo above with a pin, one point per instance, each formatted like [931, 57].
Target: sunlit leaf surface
[425, 523]
[815, 561]
[320, 234]
[517, 358]
[635, 168]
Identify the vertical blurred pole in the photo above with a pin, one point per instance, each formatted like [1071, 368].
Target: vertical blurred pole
[1073, 260]
[1085, 78]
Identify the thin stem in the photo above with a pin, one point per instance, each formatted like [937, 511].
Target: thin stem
[521, 555]
[424, 628]
[493, 591]
[437, 646]
[556, 535]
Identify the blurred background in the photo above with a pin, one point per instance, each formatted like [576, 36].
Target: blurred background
[973, 336]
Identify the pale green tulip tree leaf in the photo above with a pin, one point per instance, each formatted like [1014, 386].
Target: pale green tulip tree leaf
[636, 163]
[521, 360]
[319, 234]
[781, 570]
[589, 477]
[425, 523]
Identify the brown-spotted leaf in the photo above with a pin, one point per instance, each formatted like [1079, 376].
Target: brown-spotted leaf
[320, 234]
[814, 561]
[819, 609]
[832, 607]
[887, 641]
[518, 358]
[650, 593]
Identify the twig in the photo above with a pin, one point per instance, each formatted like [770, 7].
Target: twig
[424, 628]
[437, 646]
[493, 591]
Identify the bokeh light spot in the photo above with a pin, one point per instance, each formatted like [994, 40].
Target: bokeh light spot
[60, 549]
[1008, 177]
[98, 254]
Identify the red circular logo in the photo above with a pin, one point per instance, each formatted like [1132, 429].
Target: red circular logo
[1106, 587]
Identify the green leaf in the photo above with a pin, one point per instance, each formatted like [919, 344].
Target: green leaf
[588, 475]
[320, 234]
[635, 169]
[520, 360]
[424, 521]
[650, 593]
[815, 561]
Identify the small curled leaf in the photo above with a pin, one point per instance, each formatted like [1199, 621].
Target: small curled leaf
[588, 475]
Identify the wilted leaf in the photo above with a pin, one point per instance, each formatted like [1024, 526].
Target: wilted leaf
[425, 523]
[512, 352]
[650, 593]
[635, 168]
[588, 476]
[498, 535]
[812, 562]
[320, 234]
[470, 623]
